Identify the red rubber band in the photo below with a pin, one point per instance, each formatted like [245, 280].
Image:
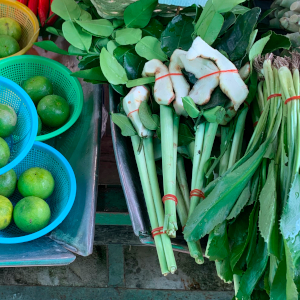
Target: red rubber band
[169, 197]
[218, 72]
[197, 193]
[273, 96]
[157, 233]
[173, 74]
[247, 104]
[254, 124]
[132, 112]
[291, 98]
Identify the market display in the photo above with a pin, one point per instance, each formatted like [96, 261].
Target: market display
[208, 86]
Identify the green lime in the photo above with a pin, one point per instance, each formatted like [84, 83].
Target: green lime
[36, 182]
[8, 120]
[39, 125]
[4, 153]
[8, 183]
[8, 46]
[37, 87]
[6, 212]
[32, 214]
[10, 27]
[53, 110]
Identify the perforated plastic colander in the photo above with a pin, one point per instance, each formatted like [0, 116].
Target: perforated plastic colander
[20, 68]
[22, 139]
[60, 202]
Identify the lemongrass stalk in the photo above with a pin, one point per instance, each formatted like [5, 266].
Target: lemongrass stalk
[181, 209]
[260, 98]
[144, 176]
[195, 247]
[150, 162]
[182, 181]
[236, 281]
[223, 165]
[238, 136]
[169, 183]
[175, 143]
[209, 139]
[191, 149]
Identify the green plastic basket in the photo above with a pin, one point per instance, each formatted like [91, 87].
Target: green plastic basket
[20, 68]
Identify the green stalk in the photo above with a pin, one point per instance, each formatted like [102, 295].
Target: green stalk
[191, 148]
[150, 162]
[195, 247]
[181, 209]
[223, 166]
[236, 281]
[182, 181]
[169, 182]
[238, 136]
[144, 176]
[260, 98]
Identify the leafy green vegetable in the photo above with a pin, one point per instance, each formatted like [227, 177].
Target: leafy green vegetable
[138, 14]
[268, 206]
[214, 209]
[177, 35]
[276, 41]
[150, 48]
[154, 28]
[140, 81]
[190, 107]
[124, 123]
[90, 74]
[51, 46]
[278, 288]
[218, 246]
[75, 51]
[121, 51]
[100, 27]
[54, 31]
[111, 46]
[133, 64]
[258, 47]
[66, 9]
[75, 36]
[88, 62]
[229, 20]
[111, 69]
[148, 120]
[128, 36]
[254, 271]
[185, 136]
[236, 40]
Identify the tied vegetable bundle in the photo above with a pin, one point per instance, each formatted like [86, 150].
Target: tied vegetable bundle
[193, 91]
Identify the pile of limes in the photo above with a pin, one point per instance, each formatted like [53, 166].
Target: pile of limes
[10, 34]
[8, 123]
[31, 213]
[53, 111]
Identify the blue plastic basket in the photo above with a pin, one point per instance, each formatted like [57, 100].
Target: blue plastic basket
[22, 139]
[60, 202]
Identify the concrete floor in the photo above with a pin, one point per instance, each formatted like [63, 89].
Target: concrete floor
[141, 271]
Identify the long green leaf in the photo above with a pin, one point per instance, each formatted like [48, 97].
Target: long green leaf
[138, 14]
[128, 36]
[90, 74]
[76, 36]
[268, 205]
[146, 116]
[51, 46]
[190, 107]
[124, 123]
[254, 271]
[149, 47]
[100, 27]
[217, 246]
[177, 35]
[112, 70]
[278, 288]
[140, 81]
[66, 9]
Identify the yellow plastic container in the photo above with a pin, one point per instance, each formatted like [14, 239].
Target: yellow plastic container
[27, 20]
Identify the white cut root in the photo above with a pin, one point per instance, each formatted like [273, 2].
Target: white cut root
[244, 71]
[231, 83]
[180, 85]
[163, 88]
[131, 104]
